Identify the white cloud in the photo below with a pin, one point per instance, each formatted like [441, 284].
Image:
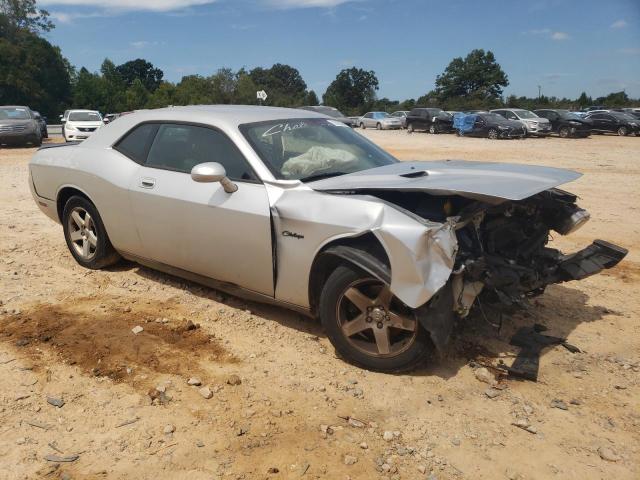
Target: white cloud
[619, 24]
[150, 5]
[547, 32]
[144, 44]
[306, 3]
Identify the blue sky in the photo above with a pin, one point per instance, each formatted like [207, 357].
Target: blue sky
[566, 46]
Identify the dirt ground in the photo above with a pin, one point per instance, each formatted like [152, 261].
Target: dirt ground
[283, 406]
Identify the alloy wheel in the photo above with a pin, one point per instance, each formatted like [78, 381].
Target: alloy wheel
[622, 131]
[83, 233]
[493, 134]
[374, 321]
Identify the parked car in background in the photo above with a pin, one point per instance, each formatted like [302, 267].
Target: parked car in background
[331, 112]
[289, 207]
[80, 124]
[402, 115]
[63, 117]
[18, 126]
[535, 125]
[379, 120]
[452, 112]
[565, 123]
[432, 120]
[475, 111]
[634, 112]
[489, 125]
[614, 122]
[42, 123]
[110, 117]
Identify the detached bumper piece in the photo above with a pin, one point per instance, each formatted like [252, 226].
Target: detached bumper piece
[598, 256]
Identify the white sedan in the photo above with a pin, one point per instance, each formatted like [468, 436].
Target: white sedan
[81, 124]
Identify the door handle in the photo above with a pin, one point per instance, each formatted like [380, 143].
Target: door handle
[147, 182]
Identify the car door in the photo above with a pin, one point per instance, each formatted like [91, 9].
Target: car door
[599, 121]
[198, 227]
[367, 120]
[479, 127]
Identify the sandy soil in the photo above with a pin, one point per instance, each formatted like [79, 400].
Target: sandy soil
[295, 410]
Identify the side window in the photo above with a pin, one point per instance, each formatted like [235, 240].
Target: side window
[369, 115]
[511, 115]
[182, 147]
[137, 142]
[415, 112]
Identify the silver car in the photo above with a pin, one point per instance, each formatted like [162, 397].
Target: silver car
[19, 126]
[379, 120]
[295, 208]
[535, 125]
[402, 115]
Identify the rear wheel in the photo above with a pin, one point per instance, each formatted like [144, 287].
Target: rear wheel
[622, 131]
[379, 126]
[564, 132]
[86, 236]
[410, 128]
[493, 134]
[368, 326]
[432, 129]
[362, 126]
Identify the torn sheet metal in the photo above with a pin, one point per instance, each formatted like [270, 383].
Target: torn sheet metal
[421, 253]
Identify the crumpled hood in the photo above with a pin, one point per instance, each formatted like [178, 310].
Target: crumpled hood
[492, 182]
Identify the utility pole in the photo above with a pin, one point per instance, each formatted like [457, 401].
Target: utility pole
[539, 92]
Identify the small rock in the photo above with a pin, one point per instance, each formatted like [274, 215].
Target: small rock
[387, 436]
[608, 454]
[422, 469]
[575, 401]
[484, 375]
[557, 403]
[194, 382]
[138, 329]
[492, 392]
[169, 429]
[364, 446]
[273, 470]
[199, 443]
[456, 442]
[206, 392]
[234, 380]
[356, 423]
[56, 402]
[350, 460]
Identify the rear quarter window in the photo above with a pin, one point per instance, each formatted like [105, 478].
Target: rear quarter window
[137, 142]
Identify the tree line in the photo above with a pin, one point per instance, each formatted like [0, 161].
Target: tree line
[35, 73]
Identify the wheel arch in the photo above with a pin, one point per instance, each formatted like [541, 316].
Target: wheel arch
[65, 193]
[364, 251]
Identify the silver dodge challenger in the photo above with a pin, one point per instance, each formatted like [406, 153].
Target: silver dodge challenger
[295, 208]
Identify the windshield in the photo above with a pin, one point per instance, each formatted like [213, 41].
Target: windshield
[567, 115]
[623, 116]
[85, 117]
[525, 114]
[310, 148]
[14, 113]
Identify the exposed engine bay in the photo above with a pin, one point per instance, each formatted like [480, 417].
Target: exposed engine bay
[503, 256]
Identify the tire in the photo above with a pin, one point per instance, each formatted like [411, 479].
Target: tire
[623, 131]
[38, 141]
[564, 132]
[407, 347]
[362, 126]
[95, 254]
[410, 128]
[432, 129]
[492, 134]
[379, 126]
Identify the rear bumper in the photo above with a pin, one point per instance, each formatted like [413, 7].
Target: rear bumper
[598, 256]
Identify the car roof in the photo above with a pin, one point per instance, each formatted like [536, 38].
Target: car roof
[222, 115]
[82, 110]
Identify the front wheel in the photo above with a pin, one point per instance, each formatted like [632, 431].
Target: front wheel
[493, 134]
[622, 131]
[564, 132]
[432, 129]
[368, 326]
[362, 126]
[379, 126]
[86, 236]
[410, 128]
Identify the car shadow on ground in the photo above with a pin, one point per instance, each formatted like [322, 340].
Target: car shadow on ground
[483, 337]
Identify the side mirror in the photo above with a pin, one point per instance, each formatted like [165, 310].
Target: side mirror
[213, 172]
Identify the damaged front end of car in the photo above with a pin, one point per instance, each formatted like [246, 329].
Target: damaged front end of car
[503, 256]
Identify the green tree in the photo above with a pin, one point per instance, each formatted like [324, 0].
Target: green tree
[353, 91]
[164, 96]
[284, 85]
[476, 78]
[311, 98]
[136, 96]
[245, 91]
[25, 15]
[32, 71]
[142, 70]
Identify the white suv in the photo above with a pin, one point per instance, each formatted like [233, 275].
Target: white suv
[80, 124]
[534, 124]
